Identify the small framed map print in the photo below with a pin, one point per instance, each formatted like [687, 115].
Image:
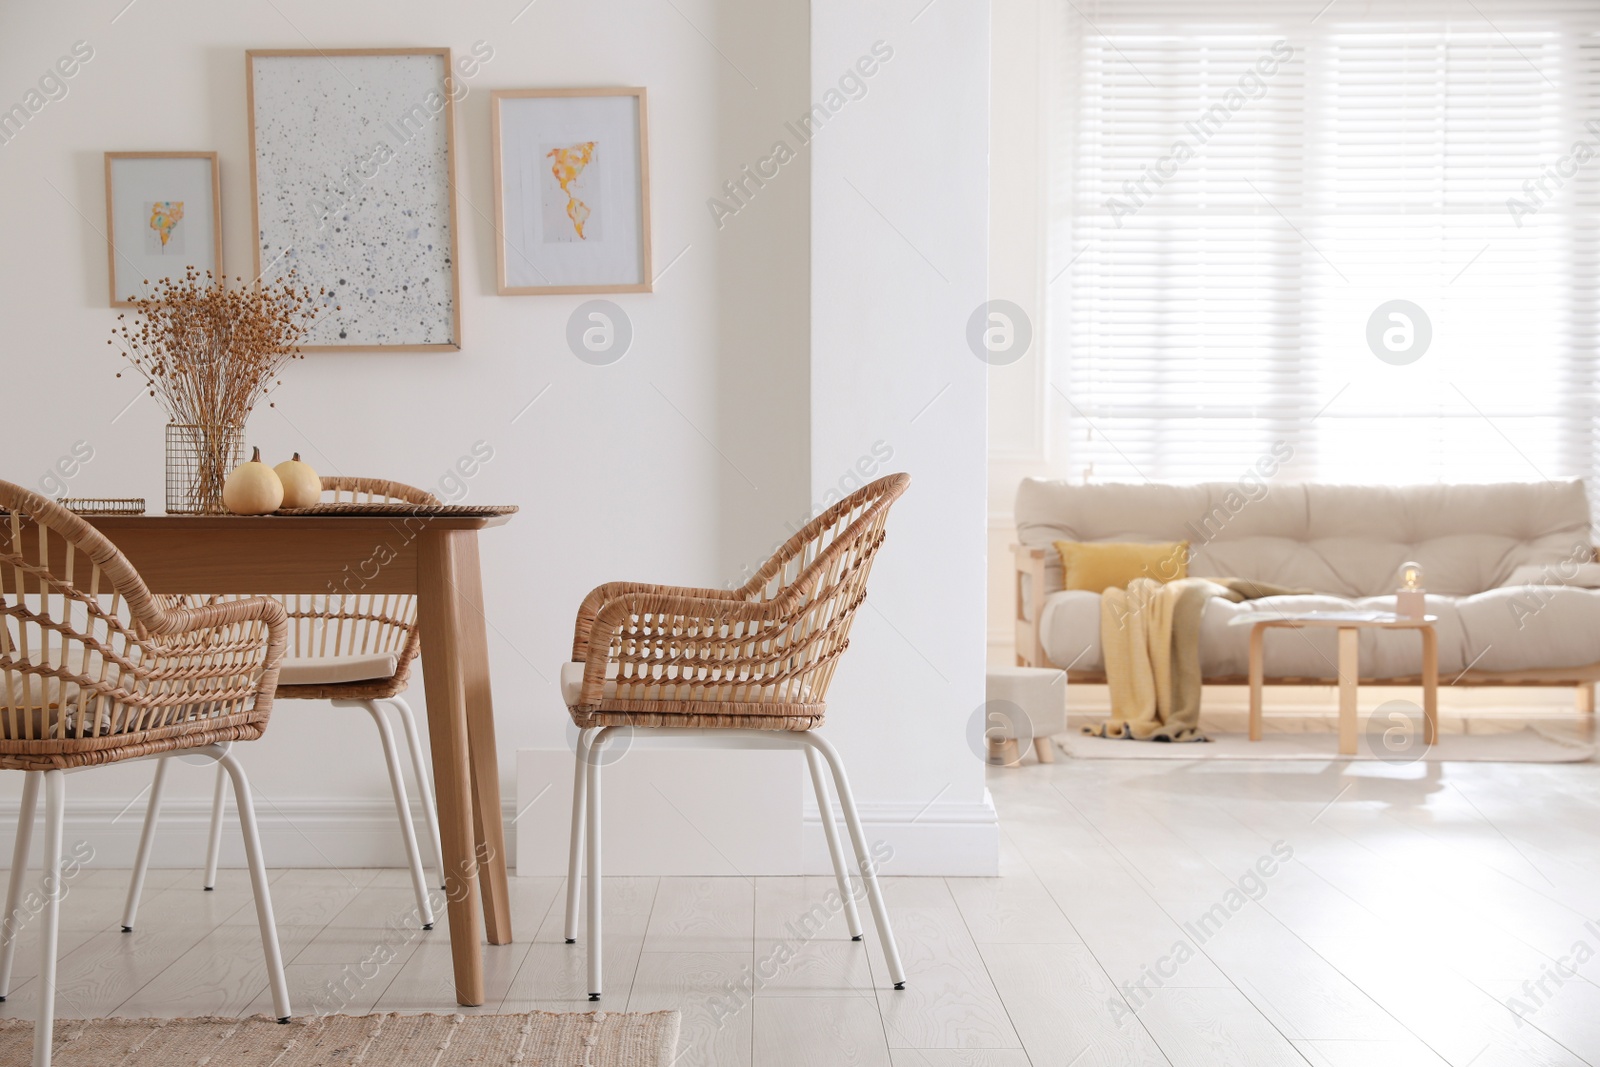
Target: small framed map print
[571, 191]
[163, 216]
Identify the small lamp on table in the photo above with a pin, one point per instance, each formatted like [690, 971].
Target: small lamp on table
[1410, 600]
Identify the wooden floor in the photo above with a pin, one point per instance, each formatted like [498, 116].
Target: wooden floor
[1418, 903]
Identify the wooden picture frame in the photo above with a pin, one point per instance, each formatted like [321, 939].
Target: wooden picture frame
[141, 266]
[317, 210]
[535, 254]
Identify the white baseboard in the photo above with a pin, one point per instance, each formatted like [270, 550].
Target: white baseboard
[696, 811]
[710, 812]
[755, 822]
[941, 839]
[333, 832]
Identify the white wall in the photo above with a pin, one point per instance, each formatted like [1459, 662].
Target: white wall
[1019, 393]
[899, 262]
[615, 467]
[773, 355]
[899, 239]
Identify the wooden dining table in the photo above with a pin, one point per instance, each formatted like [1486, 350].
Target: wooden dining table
[433, 556]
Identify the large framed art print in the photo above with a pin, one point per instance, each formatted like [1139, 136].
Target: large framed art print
[352, 175]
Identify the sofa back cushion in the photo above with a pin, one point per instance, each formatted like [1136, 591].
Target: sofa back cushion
[1348, 540]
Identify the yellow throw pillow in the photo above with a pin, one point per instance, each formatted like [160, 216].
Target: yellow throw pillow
[1096, 566]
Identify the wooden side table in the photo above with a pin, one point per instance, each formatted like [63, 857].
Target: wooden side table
[1350, 624]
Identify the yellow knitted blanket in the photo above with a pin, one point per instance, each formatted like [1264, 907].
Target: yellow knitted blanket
[1150, 641]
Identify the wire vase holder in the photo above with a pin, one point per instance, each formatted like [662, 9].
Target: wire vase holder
[199, 459]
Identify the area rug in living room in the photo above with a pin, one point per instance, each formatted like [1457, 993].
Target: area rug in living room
[577, 1039]
[1528, 745]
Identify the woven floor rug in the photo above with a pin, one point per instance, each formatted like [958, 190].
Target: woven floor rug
[537, 1039]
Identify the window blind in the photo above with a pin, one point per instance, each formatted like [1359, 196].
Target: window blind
[1261, 210]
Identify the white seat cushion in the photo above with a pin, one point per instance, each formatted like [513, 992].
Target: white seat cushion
[572, 683]
[32, 690]
[18, 690]
[337, 670]
[1071, 629]
[1509, 629]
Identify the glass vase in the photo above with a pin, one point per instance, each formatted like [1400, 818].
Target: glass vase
[199, 459]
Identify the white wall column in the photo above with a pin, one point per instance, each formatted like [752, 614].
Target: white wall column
[899, 263]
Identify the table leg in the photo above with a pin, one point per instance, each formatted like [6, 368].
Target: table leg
[1258, 633]
[1430, 685]
[439, 614]
[488, 824]
[1349, 672]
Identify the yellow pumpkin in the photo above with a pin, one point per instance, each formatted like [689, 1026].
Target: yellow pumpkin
[252, 489]
[301, 486]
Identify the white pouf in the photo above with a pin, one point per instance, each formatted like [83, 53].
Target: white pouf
[1041, 693]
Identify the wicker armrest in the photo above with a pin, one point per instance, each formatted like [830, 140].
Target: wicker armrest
[602, 594]
[225, 613]
[226, 616]
[656, 626]
[222, 645]
[97, 668]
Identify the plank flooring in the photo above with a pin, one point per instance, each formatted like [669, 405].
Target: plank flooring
[1147, 913]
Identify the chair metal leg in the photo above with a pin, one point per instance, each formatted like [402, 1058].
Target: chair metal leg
[258, 880]
[402, 807]
[11, 925]
[55, 803]
[841, 870]
[147, 840]
[596, 946]
[422, 768]
[580, 784]
[219, 805]
[880, 915]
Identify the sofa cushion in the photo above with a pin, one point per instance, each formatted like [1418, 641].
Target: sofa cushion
[1345, 540]
[1586, 575]
[1520, 628]
[1096, 566]
[1502, 630]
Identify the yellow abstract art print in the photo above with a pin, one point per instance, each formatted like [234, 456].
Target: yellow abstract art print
[572, 191]
[163, 217]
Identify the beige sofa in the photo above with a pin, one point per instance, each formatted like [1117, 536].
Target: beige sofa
[1347, 542]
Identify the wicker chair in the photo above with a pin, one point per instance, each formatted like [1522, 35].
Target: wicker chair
[94, 670]
[356, 650]
[750, 666]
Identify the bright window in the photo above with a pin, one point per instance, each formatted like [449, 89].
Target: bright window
[1266, 213]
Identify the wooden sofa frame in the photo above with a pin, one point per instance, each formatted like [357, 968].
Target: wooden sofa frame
[1028, 585]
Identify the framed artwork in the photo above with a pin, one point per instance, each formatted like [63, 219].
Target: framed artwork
[352, 182]
[571, 190]
[163, 216]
